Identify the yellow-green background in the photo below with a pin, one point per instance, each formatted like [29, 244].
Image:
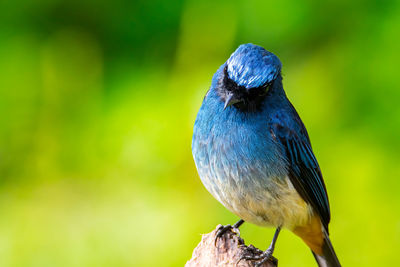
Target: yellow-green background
[97, 104]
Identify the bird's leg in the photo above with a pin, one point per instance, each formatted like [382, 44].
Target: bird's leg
[266, 254]
[222, 230]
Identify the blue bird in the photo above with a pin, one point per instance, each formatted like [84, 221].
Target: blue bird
[253, 154]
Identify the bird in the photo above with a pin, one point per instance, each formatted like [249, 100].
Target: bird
[254, 155]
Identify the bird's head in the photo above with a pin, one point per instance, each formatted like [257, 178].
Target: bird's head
[247, 76]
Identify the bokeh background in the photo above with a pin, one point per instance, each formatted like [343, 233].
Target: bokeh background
[97, 105]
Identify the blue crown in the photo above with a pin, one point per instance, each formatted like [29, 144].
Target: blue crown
[252, 66]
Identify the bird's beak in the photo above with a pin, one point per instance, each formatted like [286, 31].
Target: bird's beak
[230, 100]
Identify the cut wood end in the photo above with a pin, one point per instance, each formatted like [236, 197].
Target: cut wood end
[226, 251]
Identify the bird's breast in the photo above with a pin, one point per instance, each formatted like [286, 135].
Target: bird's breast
[242, 166]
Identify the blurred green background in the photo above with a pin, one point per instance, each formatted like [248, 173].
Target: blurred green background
[97, 105]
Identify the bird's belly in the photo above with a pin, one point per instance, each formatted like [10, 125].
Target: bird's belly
[276, 203]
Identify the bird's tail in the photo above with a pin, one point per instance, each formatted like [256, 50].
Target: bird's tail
[328, 257]
[317, 239]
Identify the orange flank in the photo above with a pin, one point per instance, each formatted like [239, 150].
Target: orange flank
[312, 234]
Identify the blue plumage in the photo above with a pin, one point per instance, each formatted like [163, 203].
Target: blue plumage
[252, 66]
[253, 152]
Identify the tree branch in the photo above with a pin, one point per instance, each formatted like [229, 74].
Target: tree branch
[225, 252]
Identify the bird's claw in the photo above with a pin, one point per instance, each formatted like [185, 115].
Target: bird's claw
[223, 229]
[262, 258]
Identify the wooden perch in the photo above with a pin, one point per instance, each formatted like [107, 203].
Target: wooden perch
[227, 251]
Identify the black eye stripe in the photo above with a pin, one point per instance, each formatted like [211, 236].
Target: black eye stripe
[250, 99]
[231, 86]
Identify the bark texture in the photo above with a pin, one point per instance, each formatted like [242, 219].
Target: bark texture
[225, 252]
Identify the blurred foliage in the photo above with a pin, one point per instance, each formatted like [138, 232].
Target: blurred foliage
[98, 100]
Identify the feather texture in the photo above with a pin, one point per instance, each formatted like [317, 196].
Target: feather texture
[254, 155]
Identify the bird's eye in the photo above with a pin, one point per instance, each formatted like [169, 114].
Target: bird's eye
[264, 89]
[259, 91]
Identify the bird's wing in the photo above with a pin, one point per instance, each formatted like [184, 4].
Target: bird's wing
[304, 171]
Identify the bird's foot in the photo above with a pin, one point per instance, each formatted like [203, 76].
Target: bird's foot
[223, 229]
[260, 259]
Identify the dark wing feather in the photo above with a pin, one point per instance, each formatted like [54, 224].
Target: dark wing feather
[304, 171]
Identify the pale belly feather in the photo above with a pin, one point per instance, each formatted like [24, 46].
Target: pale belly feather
[281, 205]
